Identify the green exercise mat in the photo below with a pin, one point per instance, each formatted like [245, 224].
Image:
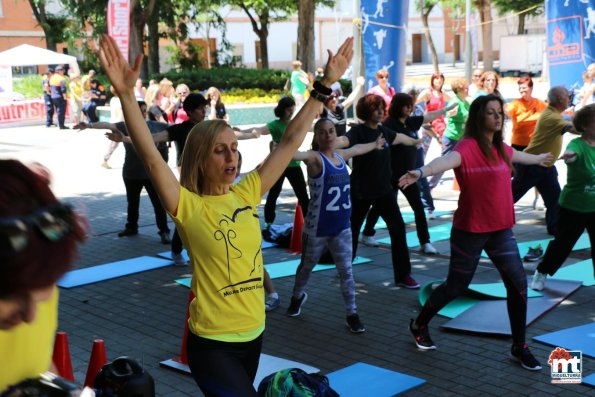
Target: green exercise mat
[462, 303]
[580, 271]
[582, 243]
[437, 233]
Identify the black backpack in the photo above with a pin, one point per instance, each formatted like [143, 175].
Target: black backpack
[124, 377]
[294, 382]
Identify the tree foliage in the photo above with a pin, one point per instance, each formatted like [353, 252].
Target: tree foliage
[504, 6]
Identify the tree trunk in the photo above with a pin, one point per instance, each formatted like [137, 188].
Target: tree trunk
[153, 64]
[521, 26]
[263, 34]
[38, 9]
[424, 18]
[486, 30]
[305, 37]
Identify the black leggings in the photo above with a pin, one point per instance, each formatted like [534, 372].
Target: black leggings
[298, 183]
[224, 369]
[465, 250]
[421, 224]
[389, 211]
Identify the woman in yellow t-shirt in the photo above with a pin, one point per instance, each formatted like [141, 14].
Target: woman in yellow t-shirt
[38, 238]
[218, 223]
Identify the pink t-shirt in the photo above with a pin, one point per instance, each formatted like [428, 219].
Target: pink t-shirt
[485, 203]
[386, 96]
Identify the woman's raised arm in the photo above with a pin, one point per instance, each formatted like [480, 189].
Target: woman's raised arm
[274, 165]
[123, 78]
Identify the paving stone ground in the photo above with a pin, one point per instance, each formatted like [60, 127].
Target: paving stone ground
[142, 315]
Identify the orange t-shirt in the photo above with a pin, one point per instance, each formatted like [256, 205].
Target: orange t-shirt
[524, 116]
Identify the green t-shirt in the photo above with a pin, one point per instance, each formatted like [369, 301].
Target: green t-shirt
[579, 192]
[277, 129]
[297, 85]
[455, 125]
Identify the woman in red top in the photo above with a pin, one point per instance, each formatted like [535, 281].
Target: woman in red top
[483, 221]
[435, 99]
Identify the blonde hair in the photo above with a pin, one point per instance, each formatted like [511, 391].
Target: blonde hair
[165, 86]
[210, 92]
[197, 150]
[151, 95]
[458, 84]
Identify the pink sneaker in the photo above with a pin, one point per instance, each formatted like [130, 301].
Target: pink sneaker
[408, 282]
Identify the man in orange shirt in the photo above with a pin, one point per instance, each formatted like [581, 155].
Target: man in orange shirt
[524, 113]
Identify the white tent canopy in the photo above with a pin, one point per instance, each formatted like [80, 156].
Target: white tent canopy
[28, 55]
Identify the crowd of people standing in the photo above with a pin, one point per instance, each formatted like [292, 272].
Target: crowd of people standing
[386, 148]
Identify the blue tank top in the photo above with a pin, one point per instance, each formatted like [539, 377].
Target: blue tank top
[330, 200]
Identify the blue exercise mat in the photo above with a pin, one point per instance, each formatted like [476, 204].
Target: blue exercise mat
[581, 271]
[408, 217]
[576, 338]
[285, 269]
[167, 254]
[582, 243]
[94, 274]
[288, 268]
[437, 233]
[589, 380]
[365, 380]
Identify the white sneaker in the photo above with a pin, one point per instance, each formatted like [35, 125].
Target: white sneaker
[429, 249]
[370, 241]
[538, 282]
[179, 259]
[431, 214]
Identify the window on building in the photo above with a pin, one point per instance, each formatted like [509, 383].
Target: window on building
[1, 9]
[238, 53]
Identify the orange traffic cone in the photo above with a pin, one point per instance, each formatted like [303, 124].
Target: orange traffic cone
[455, 184]
[183, 358]
[61, 356]
[296, 234]
[96, 362]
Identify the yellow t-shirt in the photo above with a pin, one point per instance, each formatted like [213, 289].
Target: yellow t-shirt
[223, 239]
[524, 115]
[548, 134]
[26, 350]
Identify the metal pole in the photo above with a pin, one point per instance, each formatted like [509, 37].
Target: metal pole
[468, 61]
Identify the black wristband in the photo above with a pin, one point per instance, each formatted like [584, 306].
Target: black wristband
[318, 96]
[321, 88]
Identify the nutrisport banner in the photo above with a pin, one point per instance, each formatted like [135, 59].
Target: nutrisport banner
[384, 39]
[570, 48]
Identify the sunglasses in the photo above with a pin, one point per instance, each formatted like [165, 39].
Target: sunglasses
[53, 222]
[384, 77]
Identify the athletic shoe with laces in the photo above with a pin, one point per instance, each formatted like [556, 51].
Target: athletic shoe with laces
[429, 249]
[534, 254]
[295, 306]
[431, 214]
[370, 241]
[271, 303]
[354, 324]
[523, 355]
[408, 282]
[179, 259]
[538, 282]
[421, 336]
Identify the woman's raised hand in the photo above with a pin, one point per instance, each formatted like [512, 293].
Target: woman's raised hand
[338, 63]
[122, 76]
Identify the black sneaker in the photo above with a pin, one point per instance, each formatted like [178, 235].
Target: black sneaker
[354, 324]
[128, 232]
[295, 307]
[524, 357]
[534, 254]
[421, 337]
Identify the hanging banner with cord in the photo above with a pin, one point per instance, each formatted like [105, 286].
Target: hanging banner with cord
[383, 27]
[570, 48]
[118, 24]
